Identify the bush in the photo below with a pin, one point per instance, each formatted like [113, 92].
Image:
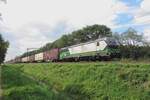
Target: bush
[135, 52]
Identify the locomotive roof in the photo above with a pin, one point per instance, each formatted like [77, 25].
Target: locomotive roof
[108, 40]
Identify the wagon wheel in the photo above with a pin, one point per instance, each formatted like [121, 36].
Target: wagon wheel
[76, 59]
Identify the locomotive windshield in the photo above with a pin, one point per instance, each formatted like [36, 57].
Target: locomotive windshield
[112, 42]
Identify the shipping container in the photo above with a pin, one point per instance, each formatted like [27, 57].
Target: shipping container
[51, 55]
[25, 59]
[32, 58]
[17, 60]
[39, 57]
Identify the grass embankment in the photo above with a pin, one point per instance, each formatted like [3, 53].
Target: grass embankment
[77, 81]
[17, 86]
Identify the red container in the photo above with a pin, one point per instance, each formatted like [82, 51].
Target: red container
[32, 58]
[51, 55]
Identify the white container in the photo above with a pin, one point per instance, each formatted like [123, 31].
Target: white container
[25, 59]
[39, 56]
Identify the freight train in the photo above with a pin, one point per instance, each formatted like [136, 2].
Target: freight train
[99, 49]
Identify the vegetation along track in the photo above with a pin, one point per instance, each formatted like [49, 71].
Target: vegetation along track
[0, 82]
[77, 81]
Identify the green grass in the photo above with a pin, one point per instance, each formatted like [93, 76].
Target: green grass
[77, 81]
[18, 86]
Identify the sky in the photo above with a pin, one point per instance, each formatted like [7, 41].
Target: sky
[33, 23]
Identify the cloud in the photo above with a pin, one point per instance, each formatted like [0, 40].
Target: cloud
[142, 15]
[33, 35]
[146, 33]
[132, 2]
[138, 17]
[76, 12]
[142, 18]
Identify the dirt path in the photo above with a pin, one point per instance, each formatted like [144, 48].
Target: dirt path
[0, 82]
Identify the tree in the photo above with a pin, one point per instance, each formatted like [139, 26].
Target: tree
[91, 33]
[96, 31]
[117, 37]
[133, 45]
[79, 36]
[131, 37]
[3, 48]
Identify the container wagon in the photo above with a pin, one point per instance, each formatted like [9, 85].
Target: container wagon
[32, 58]
[24, 59]
[39, 57]
[17, 59]
[51, 55]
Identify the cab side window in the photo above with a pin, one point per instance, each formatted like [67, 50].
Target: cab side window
[97, 43]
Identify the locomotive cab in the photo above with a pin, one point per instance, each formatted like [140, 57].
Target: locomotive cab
[113, 47]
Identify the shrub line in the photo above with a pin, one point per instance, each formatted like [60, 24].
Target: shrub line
[1, 83]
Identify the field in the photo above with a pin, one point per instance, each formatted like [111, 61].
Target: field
[76, 81]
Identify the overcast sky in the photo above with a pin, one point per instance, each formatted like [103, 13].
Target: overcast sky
[32, 23]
